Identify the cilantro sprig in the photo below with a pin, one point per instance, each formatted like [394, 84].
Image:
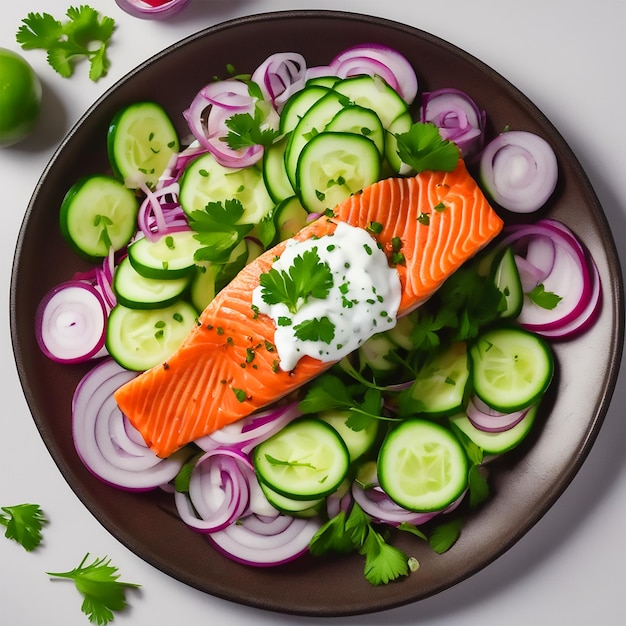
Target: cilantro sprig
[423, 148]
[23, 523]
[307, 277]
[246, 129]
[218, 229]
[351, 532]
[98, 583]
[84, 35]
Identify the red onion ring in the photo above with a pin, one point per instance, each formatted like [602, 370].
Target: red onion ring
[519, 170]
[396, 63]
[219, 490]
[280, 75]
[267, 546]
[152, 9]
[108, 445]
[70, 323]
[457, 116]
[488, 420]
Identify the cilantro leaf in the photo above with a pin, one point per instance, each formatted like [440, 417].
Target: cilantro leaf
[23, 524]
[423, 148]
[332, 537]
[307, 277]
[68, 41]
[383, 562]
[545, 299]
[444, 536]
[413, 529]
[247, 130]
[316, 329]
[98, 584]
[326, 392]
[217, 229]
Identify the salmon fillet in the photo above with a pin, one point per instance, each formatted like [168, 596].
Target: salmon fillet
[227, 366]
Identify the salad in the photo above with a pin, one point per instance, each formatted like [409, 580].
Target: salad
[404, 426]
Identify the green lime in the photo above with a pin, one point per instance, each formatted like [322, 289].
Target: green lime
[20, 98]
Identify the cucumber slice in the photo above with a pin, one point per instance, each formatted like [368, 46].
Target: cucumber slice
[314, 121]
[333, 166]
[500, 442]
[141, 140]
[170, 256]
[305, 460]
[274, 173]
[374, 353]
[372, 92]
[140, 339]
[138, 292]
[399, 126]
[298, 104]
[205, 180]
[358, 442]
[202, 289]
[360, 121]
[290, 506]
[511, 368]
[440, 385]
[422, 466]
[507, 279]
[290, 217]
[98, 213]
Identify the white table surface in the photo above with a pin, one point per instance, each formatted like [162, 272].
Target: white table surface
[571, 568]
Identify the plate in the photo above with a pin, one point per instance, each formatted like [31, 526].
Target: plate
[525, 483]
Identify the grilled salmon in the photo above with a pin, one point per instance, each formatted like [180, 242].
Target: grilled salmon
[227, 366]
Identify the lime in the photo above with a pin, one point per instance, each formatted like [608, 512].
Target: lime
[20, 98]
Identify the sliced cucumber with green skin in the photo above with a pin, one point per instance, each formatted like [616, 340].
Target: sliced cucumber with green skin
[422, 466]
[511, 368]
[274, 173]
[401, 333]
[138, 292]
[98, 213]
[333, 166]
[360, 121]
[507, 279]
[440, 385]
[202, 289]
[168, 257]
[290, 217]
[297, 106]
[313, 122]
[372, 92]
[290, 506]
[358, 442]
[374, 354]
[141, 140]
[205, 180]
[322, 81]
[140, 339]
[494, 443]
[399, 126]
[305, 460]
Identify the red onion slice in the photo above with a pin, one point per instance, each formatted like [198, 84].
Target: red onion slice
[152, 9]
[251, 545]
[70, 323]
[108, 445]
[488, 420]
[519, 171]
[457, 116]
[280, 75]
[396, 63]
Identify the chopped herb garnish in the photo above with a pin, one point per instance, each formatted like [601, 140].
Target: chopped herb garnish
[424, 219]
[544, 299]
[240, 394]
[316, 329]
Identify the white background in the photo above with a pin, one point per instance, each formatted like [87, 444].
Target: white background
[568, 58]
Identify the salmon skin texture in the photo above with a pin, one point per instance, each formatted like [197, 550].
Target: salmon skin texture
[227, 367]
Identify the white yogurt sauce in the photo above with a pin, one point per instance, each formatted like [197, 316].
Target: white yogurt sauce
[363, 300]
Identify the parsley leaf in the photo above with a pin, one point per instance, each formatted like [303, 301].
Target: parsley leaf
[444, 536]
[68, 41]
[423, 148]
[23, 524]
[218, 230]
[307, 277]
[383, 562]
[332, 537]
[98, 584]
[246, 130]
[316, 329]
[544, 299]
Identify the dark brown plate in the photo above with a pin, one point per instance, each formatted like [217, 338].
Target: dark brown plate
[524, 484]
